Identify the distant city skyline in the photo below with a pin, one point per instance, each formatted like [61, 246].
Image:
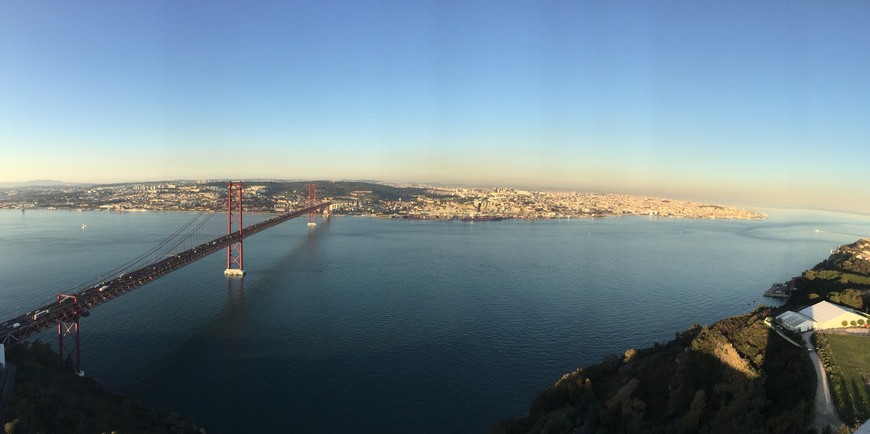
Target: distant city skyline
[762, 103]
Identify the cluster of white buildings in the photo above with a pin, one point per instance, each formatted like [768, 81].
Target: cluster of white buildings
[820, 316]
[448, 203]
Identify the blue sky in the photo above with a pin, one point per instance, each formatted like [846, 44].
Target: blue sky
[737, 101]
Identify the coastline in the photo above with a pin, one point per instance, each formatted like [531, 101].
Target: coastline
[474, 204]
[734, 354]
[759, 216]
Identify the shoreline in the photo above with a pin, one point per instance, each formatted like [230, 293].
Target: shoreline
[464, 218]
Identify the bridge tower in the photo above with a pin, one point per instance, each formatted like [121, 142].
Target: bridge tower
[67, 327]
[312, 199]
[235, 251]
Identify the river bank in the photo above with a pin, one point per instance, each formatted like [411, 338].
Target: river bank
[741, 374]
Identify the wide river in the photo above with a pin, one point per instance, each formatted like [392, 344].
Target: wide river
[366, 325]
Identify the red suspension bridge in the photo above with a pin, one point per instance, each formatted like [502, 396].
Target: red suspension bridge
[68, 308]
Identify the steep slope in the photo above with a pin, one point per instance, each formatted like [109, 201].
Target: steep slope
[49, 397]
[734, 376]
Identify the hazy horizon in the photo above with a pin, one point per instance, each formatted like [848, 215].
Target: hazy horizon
[757, 205]
[738, 102]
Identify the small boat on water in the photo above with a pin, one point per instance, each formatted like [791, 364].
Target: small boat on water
[84, 226]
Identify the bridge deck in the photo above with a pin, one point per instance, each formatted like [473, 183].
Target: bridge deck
[65, 310]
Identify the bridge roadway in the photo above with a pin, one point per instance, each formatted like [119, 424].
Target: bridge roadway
[21, 327]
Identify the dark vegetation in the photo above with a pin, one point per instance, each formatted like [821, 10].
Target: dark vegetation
[378, 192]
[843, 278]
[48, 397]
[371, 191]
[734, 376]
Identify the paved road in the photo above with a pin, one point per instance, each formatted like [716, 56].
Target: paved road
[825, 411]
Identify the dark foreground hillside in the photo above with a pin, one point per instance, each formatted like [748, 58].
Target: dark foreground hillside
[48, 397]
[734, 376]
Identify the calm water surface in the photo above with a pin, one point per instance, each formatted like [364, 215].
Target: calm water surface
[366, 325]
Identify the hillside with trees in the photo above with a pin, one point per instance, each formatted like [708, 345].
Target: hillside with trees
[48, 397]
[733, 376]
[736, 375]
[843, 278]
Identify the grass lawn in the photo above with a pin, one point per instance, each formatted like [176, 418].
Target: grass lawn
[850, 375]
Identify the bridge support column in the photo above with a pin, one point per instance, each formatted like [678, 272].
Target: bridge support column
[65, 328]
[312, 199]
[235, 251]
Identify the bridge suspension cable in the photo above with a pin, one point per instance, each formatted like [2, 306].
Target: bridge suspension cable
[90, 296]
[149, 255]
[139, 271]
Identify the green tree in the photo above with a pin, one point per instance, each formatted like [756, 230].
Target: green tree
[852, 297]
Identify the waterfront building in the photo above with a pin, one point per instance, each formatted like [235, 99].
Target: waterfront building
[820, 316]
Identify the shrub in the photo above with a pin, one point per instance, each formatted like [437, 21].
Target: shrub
[812, 296]
[851, 297]
[860, 322]
[828, 274]
[610, 363]
[630, 355]
[845, 323]
[853, 322]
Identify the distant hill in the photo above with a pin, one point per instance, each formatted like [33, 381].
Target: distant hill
[34, 183]
[374, 191]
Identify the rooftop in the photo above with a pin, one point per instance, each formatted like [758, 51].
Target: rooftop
[793, 319]
[824, 311]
